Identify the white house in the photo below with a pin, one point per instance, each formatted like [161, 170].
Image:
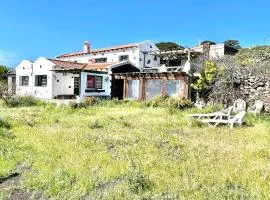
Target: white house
[215, 51]
[138, 54]
[58, 79]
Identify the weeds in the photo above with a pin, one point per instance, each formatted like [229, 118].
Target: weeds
[86, 153]
[171, 102]
[95, 123]
[17, 101]
[137, 181]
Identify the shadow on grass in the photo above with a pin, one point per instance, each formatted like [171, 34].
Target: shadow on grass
[10, 176]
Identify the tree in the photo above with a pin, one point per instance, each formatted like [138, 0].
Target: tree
[3, 69]
[165, 46]
[208, 74]
[222, 80]
[208, 41]
[233, 43]
[254, 55]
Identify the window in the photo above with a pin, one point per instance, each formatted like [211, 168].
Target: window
[123, 58]
[149, 61]
[98, 82]
[100, 60]
[153, 88]
[173, 88]
[76, 82]
[155, 58]
[41, 80]
[94, 82]
[133, 89]
[24, 80]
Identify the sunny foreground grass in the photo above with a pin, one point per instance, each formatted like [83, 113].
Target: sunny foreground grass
[130, 151]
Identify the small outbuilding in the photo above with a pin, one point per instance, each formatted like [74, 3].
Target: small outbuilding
[146, 85]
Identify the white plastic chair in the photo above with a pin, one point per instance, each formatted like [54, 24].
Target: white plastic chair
[256, 108]
[237, 119]
[226, 113]
[239, 105]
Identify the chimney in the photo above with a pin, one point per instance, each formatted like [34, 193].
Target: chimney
[206, 47]
[86, 47]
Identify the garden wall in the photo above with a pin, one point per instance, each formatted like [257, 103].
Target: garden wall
[254, 88]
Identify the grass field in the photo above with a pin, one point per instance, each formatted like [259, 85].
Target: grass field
[129, 151]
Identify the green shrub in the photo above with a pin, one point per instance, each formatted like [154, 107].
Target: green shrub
[87, 102]
[17, 101]
[171, 102]
[95, 124]
[4, 124]
[136, 179]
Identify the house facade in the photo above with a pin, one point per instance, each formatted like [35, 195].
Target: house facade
[147, 85]
[131, 71]
[48, 78]
[11, 80]
[215, 51]
[138, 54]
[58, 79]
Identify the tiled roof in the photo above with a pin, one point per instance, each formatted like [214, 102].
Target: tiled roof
[82, 66]
[98, 66]
[67, 64]
[99, 50]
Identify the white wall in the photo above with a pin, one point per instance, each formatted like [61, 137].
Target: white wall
[106, 85]
[112, 56]
[63, 83]
[24, 69]
[215, 52]
[148, 46]
[135, 54]
[41, 66]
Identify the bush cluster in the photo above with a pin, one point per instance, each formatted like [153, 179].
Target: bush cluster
[136, 179]
[17, 101]
[158, 101]
[88, 101]
[170, 102]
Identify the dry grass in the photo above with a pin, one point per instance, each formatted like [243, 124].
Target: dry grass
[130, 151]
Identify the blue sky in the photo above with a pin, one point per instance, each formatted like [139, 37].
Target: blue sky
[52, 27]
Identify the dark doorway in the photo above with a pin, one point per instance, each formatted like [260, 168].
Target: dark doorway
[77, 85]
[118, 88]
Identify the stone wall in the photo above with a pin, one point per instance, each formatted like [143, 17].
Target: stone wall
[254, 88]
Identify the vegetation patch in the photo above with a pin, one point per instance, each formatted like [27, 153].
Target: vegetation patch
[130, 151]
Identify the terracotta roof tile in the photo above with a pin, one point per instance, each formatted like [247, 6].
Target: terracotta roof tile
[98, 66]
[67, 64]
[82, 66]
[98, 50]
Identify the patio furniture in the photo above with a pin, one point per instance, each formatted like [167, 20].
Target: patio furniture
[226, 113]
[239, 105]
[237, 119]
[256, 108]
